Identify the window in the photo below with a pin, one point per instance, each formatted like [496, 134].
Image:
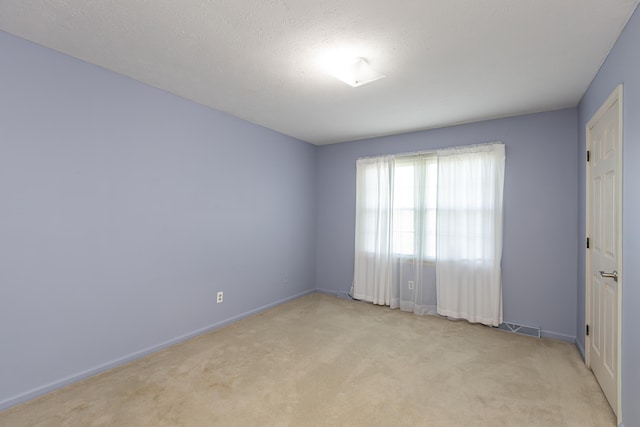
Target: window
[411, 204]
[444, 207]
[402, 204]
[414, 207]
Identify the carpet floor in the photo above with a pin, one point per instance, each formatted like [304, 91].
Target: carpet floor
[324, 361]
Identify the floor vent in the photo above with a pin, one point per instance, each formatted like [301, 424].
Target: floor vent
[531, 331]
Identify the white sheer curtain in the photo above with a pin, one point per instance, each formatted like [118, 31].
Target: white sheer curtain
[395, 232]
[422, 219]
[373, 268]
[469, 233]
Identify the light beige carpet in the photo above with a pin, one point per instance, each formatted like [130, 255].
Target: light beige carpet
[323, 361]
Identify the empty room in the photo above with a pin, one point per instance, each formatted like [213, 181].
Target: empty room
[303, 213]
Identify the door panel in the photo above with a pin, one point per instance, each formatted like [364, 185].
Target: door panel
[603, 221]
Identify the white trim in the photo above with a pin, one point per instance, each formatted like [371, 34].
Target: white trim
[557, 336]
[329, 292]
[615, 96]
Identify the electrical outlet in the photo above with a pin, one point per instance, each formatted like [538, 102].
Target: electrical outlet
[411, 284]
[219, 300]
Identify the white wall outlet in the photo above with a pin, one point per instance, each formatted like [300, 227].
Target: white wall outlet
[411, 284]
[219, 299]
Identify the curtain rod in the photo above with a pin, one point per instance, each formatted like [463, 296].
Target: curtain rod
[435, 150]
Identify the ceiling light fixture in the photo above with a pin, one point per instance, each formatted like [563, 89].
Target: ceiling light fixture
[354, 72]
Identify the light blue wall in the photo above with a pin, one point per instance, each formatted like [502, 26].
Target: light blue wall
[540, 225]
[622, 66]
[123, 209]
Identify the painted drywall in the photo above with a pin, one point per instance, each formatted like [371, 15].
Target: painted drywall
[540, 203]
[621, 66]
[124, 209]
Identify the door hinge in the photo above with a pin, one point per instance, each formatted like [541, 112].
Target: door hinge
[587, 243]
[587, 330]
[588, 155]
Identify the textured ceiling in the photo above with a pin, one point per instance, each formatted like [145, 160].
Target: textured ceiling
[446, 61]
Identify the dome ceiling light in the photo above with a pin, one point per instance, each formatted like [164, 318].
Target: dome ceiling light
[354, 72]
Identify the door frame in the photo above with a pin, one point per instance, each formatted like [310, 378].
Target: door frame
[616, 95]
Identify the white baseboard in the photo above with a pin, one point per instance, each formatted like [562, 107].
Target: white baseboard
[31, 394]
[328, 292]
[39, 391]
[558, 336]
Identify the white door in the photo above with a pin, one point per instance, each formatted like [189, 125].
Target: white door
[604, 267]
